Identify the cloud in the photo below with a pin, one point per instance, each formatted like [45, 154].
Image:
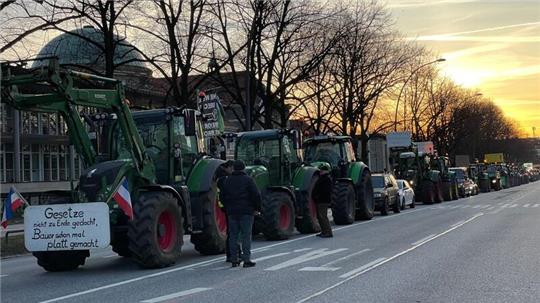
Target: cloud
[458, 36]
[409, 3]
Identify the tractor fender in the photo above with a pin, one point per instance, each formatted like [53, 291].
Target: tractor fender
[202, 174]
[303, 176]
[182, 196]
[283, 189]
[355, 172]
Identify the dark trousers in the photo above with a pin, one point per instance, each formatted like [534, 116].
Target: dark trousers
[227, 249]
[322, 216]
[240, 227]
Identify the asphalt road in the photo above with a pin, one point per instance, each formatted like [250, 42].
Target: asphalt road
[479, 249]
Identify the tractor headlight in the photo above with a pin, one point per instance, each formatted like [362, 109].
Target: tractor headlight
[377, 195]
[493, 181]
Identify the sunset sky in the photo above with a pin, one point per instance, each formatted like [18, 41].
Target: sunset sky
[491, 45]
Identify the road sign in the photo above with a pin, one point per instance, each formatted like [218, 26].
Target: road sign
[79, 226]
[212, 112]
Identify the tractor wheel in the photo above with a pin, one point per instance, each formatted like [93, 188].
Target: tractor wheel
[343, 200]
[439, 192]
[456, 191]
[413, 203]
[59, 260]
[278, 216]
[448, 191]
[308, 223]
[366, 206]
[213, 238]
[428, 192]
[156, 233]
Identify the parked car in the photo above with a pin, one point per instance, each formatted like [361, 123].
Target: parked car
[385, 193]
[406, 194]
[470, 187]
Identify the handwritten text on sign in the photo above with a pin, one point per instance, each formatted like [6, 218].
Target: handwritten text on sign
[66, 226]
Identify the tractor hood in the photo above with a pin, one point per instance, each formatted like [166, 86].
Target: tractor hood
[259, 173]
[97, 182]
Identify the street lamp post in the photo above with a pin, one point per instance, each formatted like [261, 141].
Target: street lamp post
[405, 83]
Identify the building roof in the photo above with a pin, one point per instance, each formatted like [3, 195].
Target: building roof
[75, 48]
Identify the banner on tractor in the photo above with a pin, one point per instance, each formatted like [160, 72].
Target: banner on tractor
[78, 226]
[212, 113]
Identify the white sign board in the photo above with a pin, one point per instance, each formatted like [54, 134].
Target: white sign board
[398, 139]
[425, 147]
[79, 226]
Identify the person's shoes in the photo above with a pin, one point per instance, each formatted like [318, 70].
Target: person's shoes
[321, 235]
[249, 264]
[235, 264]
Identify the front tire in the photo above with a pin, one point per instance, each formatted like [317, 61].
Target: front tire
[156, 233]
[385, 207]
[309, 224]
[212, 240]
[413, 203]
[396, 208]
[366, 205]
[343, 203]
[278, 216]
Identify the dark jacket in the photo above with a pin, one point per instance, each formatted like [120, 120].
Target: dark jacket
[239, 194]
[322, 191]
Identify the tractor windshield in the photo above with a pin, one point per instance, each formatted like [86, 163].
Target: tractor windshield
[265, 152]
[323, 151]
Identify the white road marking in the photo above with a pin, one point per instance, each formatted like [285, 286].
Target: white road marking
[457, 223]
[216, 260]
[526, 205]
[362, 268]
[110, 256]
[466, 206]
[385, 261]
[319, 253]
[321, 268]
[536, 205]
[477, 206]
[271, 256]
[302, 249]
[505, 205]
[346, 257]
[490, 208]
[1, 276]
[423, 239]
[513, 205]
[177, 295]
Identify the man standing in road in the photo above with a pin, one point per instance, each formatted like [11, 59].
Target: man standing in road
[242, 201]
[322, 196]
[223, 174]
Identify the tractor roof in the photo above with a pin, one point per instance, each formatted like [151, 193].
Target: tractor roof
[407, 155]
[261, 134]
[327, 138]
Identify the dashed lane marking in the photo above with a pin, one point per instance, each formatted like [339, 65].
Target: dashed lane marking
[536, 205]
[321, 268]
[177, 295]
[316, 254]
[513, 205]
[526, 205]
[271, 256]
[346, 257]
[302, 249]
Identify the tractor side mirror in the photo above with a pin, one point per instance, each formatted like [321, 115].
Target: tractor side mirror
[190, 122]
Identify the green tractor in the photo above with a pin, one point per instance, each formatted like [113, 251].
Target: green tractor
[477, 172]
[414, 166]
[172, 187]
[352, 196]
[494, 176]
[448, 178]
[286, 184]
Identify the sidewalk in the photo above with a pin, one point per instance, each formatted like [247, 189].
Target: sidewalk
[10, 227]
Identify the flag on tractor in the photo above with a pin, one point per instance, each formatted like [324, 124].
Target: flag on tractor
[13, 201]
[123, 198]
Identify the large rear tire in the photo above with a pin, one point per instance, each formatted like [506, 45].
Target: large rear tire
[447, 191]
[309, 223]
[439, 192]
[343, 203]
[428, 192]
[55, 261]
[366, 205]
[212, 240]
[156, 232]
[278, 216]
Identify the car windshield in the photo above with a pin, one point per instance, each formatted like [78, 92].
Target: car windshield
[460, 174]
[377, 181]
[323, 151]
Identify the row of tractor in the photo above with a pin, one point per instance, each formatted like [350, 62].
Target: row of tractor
[172, 182]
